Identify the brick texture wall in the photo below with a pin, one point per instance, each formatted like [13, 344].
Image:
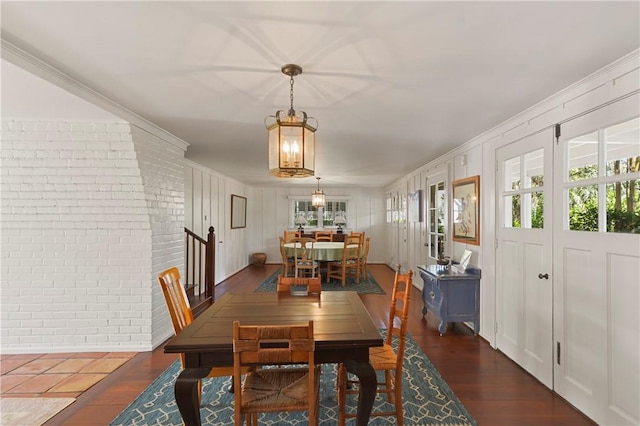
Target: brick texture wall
[90, 213]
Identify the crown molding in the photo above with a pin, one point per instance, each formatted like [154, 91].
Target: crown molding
[25, 60]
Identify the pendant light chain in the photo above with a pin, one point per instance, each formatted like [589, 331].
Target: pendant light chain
[291, 110]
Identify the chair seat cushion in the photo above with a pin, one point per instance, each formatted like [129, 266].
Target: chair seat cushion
[382, 357]
[277, 389]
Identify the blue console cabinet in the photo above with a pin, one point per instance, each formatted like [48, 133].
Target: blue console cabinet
[451, 296]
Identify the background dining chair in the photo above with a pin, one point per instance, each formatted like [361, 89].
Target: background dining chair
[290, 235]
[364, 256]
[350, 263]
[323, 235]
[313, 285]
[181, 314]
[384, 358]
[360, 235]
[275, 389]
[304, 257]
[288, 262]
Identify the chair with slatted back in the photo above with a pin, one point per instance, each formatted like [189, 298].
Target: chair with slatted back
[384, 358]
[290, 235]
[364, 256]
[304, 257]
[350, 263]
[280, 387]
[311, 285]
[360, 235]
[323, 235]
[288, 262]
[181, 314]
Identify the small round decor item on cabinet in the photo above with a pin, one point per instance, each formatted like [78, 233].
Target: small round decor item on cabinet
[259, 259]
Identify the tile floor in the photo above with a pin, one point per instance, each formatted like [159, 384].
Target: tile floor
[64, 375]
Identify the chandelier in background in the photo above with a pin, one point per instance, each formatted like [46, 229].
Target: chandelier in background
[291, 137]
[317, 198]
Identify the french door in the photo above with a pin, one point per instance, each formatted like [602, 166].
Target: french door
[597, 263]
[524, 275]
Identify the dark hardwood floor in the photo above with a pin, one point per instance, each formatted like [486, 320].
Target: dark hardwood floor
[494, 389]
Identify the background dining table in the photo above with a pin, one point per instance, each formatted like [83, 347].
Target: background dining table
[324, 251]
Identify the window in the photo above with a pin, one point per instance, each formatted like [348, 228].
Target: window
[332, 209]
[396, 208]
[602, 179]
[523, 191]
[436, 209]
[328, 212]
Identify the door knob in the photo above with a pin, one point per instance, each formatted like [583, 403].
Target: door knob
[543, 276]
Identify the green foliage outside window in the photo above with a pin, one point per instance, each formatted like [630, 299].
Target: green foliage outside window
[622, 200]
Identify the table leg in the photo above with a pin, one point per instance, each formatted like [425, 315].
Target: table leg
[186, 393]
[367, 377]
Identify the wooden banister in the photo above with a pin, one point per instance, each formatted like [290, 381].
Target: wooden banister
[200, 267]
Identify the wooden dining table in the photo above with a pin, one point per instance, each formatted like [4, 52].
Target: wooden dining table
[343, 333]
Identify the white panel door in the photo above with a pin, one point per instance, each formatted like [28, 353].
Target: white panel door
[597, 264]
[524, 240]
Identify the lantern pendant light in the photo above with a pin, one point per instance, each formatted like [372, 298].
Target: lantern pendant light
[291, 137]
[317, 198]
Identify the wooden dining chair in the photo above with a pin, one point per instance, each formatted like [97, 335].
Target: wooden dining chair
[290, 235]
[323, 235]
[312, 285]
[384, 358]
[360, 235]
[181, 315]
[304, 257]
[279, 388]
[288, 262]
[350, 263]
[363, 258]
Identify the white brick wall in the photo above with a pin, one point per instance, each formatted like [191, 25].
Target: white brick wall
[90, 214]
[162, 169]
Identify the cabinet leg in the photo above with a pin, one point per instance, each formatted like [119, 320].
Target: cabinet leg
[442, 328]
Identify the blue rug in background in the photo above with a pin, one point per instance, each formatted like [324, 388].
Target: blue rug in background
[367, 285]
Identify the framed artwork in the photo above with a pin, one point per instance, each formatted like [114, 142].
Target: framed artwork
[466, 210]
[415, 206]
[238, 211]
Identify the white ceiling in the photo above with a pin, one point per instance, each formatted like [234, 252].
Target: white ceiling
[393, 85]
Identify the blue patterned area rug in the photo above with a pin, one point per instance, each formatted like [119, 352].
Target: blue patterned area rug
[367, 285]
[427, 400]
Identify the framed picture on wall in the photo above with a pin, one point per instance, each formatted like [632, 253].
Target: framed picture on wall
[238, 211]
[415, 206]
[466, 210]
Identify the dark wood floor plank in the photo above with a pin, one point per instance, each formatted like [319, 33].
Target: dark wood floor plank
[494, 389]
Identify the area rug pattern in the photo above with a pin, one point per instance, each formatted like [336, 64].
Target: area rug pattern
[30, 411]
[427, 400]
[367, 285]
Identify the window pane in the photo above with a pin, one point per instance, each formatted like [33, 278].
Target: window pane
[440, 196]
[432, 220]
[533, 169]
[512, 174]
[433, 246]
[623, 207]
[537, 210]
[583, 157]
[512, 211]
[623, 147]
[583, 208]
